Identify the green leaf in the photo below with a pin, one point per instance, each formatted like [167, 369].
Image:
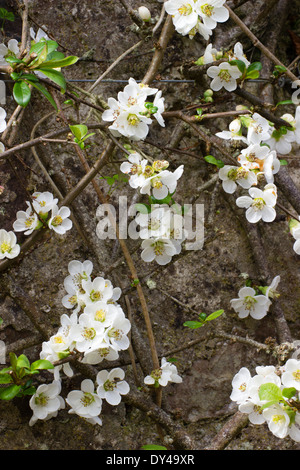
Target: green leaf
[193, 324]
[23, 362]
[9, 393]
[143, 208]
[282, 103]
[153, 447]
[283, 162]
[41, 364]
[270, 392]
[5, 379]
[214, 161]
[56, 77]
[214, 315]
[54, 64]
[6, 15]
[280, 68]
[46, 93]
[41, 49]
[79, 131]
[240, 65]
[289, 392]
[13, 60]
[21, 93]
[13, 360]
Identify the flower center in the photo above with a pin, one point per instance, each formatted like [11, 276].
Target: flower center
[115, 333]
[156, 374]
[89, 333]
[243, 387]
[185, 10]
[57, 220]
[5, 247]
[249, 302]
[73, 300]
[29, 222]
[225, 76]
[41, 400]
[296, 375]
[133, 120]
[278, 418]
[100, 315]
[58, 340]
[95, 295]
[87, 399]
[258, 203]
[109, 385]
[158, 248]
[207, 9]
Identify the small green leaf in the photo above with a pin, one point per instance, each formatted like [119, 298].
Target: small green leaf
[280, 68]
[283, 162]
[9, 393]
[79, 131]
[23, 362]
[13, 360]
[193, 324]
[21, 93]
[153, 447]
[289, 392]
[41, 364]
[240, 65]
[282, 103]
[54, 64]
[270, 392]
[5, 379]
[214, 315]
[214, 161]
[6, 15]
[142, 208]
[56, 77]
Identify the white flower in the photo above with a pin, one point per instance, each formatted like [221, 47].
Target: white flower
[294, 429]
[135, 167]
[238, 54]
[145, 90]
[260, 157]
[234, 133]
[97, 355]
[212, 12]
[240, 386]
[12, 49]
[165, 374]
[39, 35]
[59, 221]
[78, 272]
[233, 175]
[248, 303]
[291, 374]
[2, 120]
[156, 224]
[9, 247]
[26, 222]
[159, 103]
[260, 205]
[223, 75]
[258, 129]
[46, 402]
[271, 291]
[282, 143]
[278, 420]
[102, 312]
[184, 14]
[200, 28]
[116, 335]
[162, 183]
[132, 124]
[85, 402]
[167, 366]
[88, 334]
[159, 249]
[209, 56]
[111, 385]
[297, 125]
[43, 202]
[96, 290]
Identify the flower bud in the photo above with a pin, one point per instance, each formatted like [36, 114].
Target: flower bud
[144, 13]
[208, 93]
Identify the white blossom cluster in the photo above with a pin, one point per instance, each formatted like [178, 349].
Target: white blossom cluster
[196, 16]
[42, 209]
[131, 113]
[162, 228]
[97, 328]
[165, 374]
[295, 232]
[271, 396]
[257, 305]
